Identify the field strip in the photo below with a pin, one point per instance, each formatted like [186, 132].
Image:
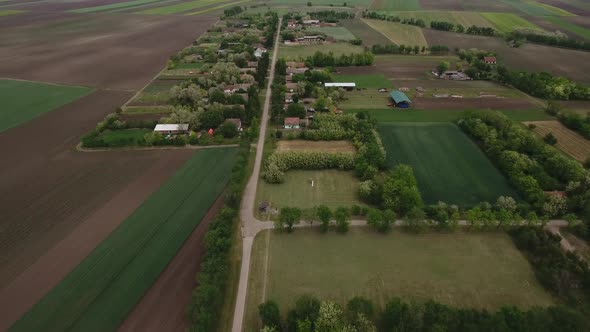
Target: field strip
[408, 34]
[266, 263]
[166, 147]
[112, 6]
[177, 8]
[11, 12]
[49, 83]
[217, 7]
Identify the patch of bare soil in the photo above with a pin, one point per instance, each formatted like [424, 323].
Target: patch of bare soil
[163, 307]
[471, 103]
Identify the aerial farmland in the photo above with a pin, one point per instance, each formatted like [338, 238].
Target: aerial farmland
[291, 165]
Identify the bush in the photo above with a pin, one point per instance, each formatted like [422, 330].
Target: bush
[228, 130]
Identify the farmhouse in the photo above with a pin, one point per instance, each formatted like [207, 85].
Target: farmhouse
[297, 70]
[490, 60]
[236, 122]
[231, 89]
[292, 24]
[292, 123]
[171, 129]
[309, 39]
[400, 99]
[291, 87]
[293, 64]
[347, 86]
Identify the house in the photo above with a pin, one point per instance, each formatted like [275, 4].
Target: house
[291, 87]
[311, 22]
[236, 122]
[289, 98]
[259, 52]
[171, 129]
[292, 123]
[293, 64]
[231, 89]
[292, 24]
[347, 86]
[400, 99]
[490, 60]
[291, 71]
[309, 39]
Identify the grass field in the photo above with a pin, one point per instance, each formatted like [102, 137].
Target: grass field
[8, 12]
[113, 6]
[469, 270]
[111, 136]
[398, 33]
[99, 293]
[568, 140]
[365, 99]
[397, 5]
[299, 51]
[365, 81]
[412, 115]
[331, 187]
[465, 19]
[326, 146]
[449, 167]
[23, 101]
[506, 22]
[364, 32]
[338, 33]
[578, 30]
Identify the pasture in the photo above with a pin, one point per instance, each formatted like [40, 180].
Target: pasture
[333, 188]
[23, 101]
[326, 146]
[105, 286]
[364, 81]
[338, 33]
[469, 270]
[400, 34]
[448, 166]
[568, 140]
[507, 22]
[295, 52]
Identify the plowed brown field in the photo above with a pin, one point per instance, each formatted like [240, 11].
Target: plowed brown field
[567, 140]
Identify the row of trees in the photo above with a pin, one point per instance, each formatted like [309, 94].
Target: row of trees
[551, 40]
[406, 49]
[576, 122]
[320, 59]
[544, 85]
[289, 216]
[331, 15]
[359, 315]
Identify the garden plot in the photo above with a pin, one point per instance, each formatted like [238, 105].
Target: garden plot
[155, 94]
[295, 52]
[364, 32]
[568, 140]
[326, 146]
[448, 166]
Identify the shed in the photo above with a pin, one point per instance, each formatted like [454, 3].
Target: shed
[292, 123]
[400, 99]
[347, 86]
[490, 60]
[170, 129]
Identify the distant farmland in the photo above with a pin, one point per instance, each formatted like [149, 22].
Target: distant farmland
[98, 294]
[568, 140]
[506, 22]
[449, 167]
[398, 33]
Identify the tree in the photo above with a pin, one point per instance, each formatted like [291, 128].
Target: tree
[414, 219]
[553, 108]
[442, 67]
[325, 215]
[374, 218]
[550, 139]
[289, 216]
[269, 314]
[506, 202]
[341, 215]
[296, 110]
[330, 318]
[211, 119]
[359, 305]
[228, 130]
[309, 4]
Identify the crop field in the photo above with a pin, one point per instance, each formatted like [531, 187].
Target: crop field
[365, 81]
[23, 101]
[365, 99]
[326, 146]
[157, 93]
[97, 295]
[364, 32]
[468, 270]
[449, 167]
[302, 51]
[506, 22]
[400, 34]
[338, 33]
[463, 18]
[568, 140]
[356, 3]
[414, 115]
[395, 5]
[10, 12]
[535, 8]
[576, 29]
[113, 6]
[179, 7]
[333, 188]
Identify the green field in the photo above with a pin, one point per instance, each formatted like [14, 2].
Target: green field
[338, 33]
[8, 12]
[465, 19]
[534, 8]
[449, 167]
[578, 30]
[366, 99]
[331, 187]
[469, 270]
[296, 52]
[365, 81]
[179, 7]
[133, 135]
[356, 3]
[23, 101]
[400, 34]
[99, 293]
[113, 6]
[364, 32]
[506, 22]
[400, 5]
[413, 115]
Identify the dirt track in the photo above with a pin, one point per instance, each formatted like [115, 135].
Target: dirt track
[163, 307]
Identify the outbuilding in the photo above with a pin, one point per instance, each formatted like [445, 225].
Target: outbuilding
[292, 123]
[171, 129]
[347, 86]
[490, 60]
[400, 99]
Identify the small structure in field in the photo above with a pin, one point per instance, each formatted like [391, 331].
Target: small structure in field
[400, 99]
[171, 129]
[237, 122]
[347, 86]
[382, 90]
[292, 123]
[311, 22]
[490, 60]
[454, 75]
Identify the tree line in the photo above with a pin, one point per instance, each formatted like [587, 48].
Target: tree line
[407, 49]
[550, 40]
[320, 59]
[331, 16]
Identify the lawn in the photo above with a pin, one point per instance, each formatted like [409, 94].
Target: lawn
[302, 51]
[400, 34]
[338, 33]
[333, 188]
[99, 293]
[506, 22]
[23, 101]
[449, 167]
[365, 81]
[397, 5]
[365, 99]
[469, 270]
[578, 30]
[413, 115]
[465, 19]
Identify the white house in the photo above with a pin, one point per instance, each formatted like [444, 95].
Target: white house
[347, 86]
[170, 129]
[259, 51]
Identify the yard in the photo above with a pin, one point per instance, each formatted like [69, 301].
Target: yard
[333, 188]
[568, 140]
[449, 167]
[23, 101]
[400, 34]
[99, 293]
[295, 52]
[469, 270]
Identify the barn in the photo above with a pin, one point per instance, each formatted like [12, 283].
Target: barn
[400, 99]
